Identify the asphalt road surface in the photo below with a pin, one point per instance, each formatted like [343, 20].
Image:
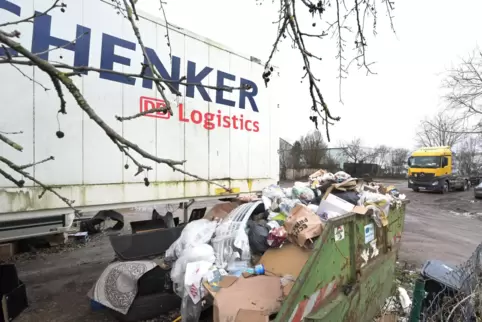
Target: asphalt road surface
[446, 227]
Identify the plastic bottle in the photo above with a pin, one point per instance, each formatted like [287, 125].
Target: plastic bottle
[257, 270]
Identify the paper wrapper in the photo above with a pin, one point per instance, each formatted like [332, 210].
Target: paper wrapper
[302, 225]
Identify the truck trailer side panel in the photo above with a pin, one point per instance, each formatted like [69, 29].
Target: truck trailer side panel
[227, 137]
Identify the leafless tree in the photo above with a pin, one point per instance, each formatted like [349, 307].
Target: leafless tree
[464, 85]
[469, 156]
[356, 153]
[382, 152]
[442, 129]
[285, 158]
[346, 13]
[296, 155]
[398, 159]
[313, 148]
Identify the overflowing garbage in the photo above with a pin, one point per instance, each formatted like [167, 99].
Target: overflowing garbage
[236, 255]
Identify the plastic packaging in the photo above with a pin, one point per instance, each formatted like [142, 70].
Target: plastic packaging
[288, 192]
[328, 177]
[257, 270]
[303, 193]
[195, 272]
[195, 233]
[273, 192]
[231, 241]
[277, 237]
[203, 252]
[237, 266]
[286, 205]
[190, 312]
[276, 216]
[341, 176]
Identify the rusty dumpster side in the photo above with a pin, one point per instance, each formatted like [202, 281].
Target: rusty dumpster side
[350, 273]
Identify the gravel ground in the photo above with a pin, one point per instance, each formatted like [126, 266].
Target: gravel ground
[58, 279]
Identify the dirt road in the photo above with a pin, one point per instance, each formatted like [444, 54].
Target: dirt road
[446, 227]
[443, 227]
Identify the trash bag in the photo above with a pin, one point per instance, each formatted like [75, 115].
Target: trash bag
[258, 236]
[303, 193]
[288, 192]
[195, 233]
[350, 196]
[341, 176]
[190, 312]
[202, 252]
[273, 192]
[286, 205]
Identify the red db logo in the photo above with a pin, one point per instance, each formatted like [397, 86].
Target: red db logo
[148, 103]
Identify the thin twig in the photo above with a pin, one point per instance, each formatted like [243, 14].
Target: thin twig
[146, 56]
[14, 145]
[18, 183]
[26, 166]
[60, 93]
[17, 169]
[35, 15]
[128, 118]
[167, 29]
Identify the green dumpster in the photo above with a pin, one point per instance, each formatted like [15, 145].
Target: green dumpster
[350, 273]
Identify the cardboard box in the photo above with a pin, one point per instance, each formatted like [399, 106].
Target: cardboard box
[335, 205]
[248, 300]
[7, 250]
[287, 260]
[221, 210]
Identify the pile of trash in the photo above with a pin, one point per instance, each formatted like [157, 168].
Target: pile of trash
[240, 246]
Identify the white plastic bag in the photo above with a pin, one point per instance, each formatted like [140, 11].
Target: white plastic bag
[287, 204]
[203, 252]
[195, 272]
[341, 176]
[195, 233]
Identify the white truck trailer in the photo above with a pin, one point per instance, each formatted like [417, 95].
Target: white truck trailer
[227, 137]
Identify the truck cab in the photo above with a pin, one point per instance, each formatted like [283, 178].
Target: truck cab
[435, 169]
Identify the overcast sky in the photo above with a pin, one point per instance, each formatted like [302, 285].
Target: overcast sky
[386, 108]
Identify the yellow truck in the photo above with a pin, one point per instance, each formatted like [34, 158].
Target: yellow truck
[435, 169]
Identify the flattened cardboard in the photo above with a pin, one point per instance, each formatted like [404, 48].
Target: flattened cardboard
[287, 260]
[259, 293]
[251, 316]
[227, 281]
[221, 210]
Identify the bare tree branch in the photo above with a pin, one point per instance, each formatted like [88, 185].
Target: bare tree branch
[17, 169]
[167, 28]
[23, 167]
[146, 56]
[441, 130]
[14, 145]
[18, 183]
[289, 24]
[35, 15]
